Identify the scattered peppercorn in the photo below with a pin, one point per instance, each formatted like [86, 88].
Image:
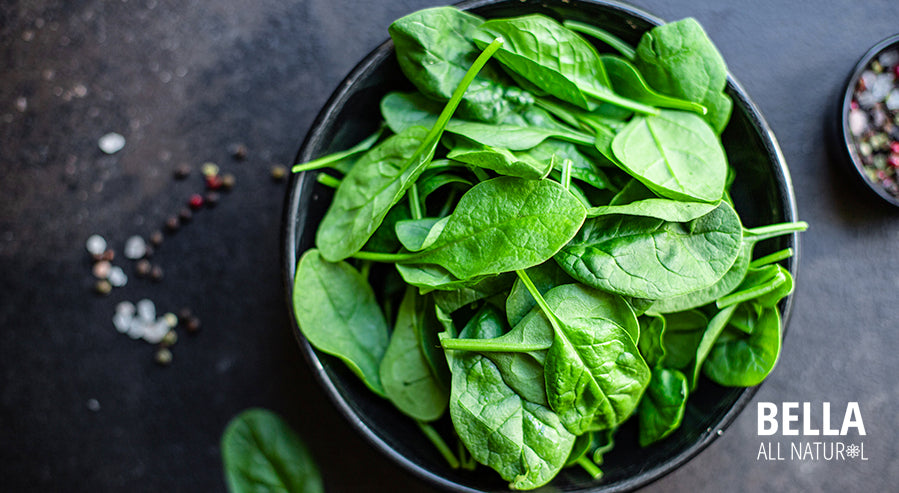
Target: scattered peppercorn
[142, 268]
[156, 273]
[278, 172]
[210, 169]
[169, 339]
[108, 255]
[193, 324]
[103, 287]
[163, 356]
[185, 215]
[182, 171]
[184, 313]
[156, 238]
[228, 181]
[213, 182]
[195, 201]
[101, 269]
[211, 199]
[172, 224]
[238, 151]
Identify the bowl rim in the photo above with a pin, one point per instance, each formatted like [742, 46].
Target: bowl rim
[847, 139]
[293, 223]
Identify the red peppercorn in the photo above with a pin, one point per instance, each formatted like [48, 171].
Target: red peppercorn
[195, 201]
[853, 105]
[893, 160]
[894, 147]
[896, 70]
[214, 182]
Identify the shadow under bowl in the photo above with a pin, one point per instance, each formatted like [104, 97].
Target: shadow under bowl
[762, 194]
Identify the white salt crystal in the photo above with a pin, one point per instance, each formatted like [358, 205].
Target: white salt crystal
[111, 143]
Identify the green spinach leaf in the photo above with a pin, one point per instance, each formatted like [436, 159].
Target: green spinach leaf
[523, 441]
[651, 258]
[434, 50]
[409, 380]
[336, 310]
[662, 406]
[676, 154]
[679, 59]
[261, 452]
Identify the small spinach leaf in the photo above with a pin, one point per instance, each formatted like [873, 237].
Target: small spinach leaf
[261, 452]
[406, 374]
[744, 360]
[662, 406]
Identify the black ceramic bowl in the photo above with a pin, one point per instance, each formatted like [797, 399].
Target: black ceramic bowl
[763, 195]
[850, 142]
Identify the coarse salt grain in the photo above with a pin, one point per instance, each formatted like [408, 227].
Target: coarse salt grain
[111, 143]
[135, 247]
[95, 245]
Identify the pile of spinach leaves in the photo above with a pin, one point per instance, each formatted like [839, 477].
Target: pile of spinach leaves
[566, 254]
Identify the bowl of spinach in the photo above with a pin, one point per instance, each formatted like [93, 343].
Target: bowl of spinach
[540, 243]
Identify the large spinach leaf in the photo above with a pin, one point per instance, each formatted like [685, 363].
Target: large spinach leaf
[434, 50]
[651, 258]
[554, 59]
[676, 154]
[504, 224]
[594, 372]
[523, 441]
[381, 177]
[744, 360]
[261, 452]
[337, 312]
[679, 59]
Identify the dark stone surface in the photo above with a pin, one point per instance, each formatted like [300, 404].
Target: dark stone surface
[184, 80]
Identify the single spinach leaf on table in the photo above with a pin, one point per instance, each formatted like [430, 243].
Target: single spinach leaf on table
[679, 59]
[381, 177]
[336, 311]
[651, 258]
[409, 379]
[555, 59]
[523, 441]
[675, 154]
[744, 360]
[260, 452]
[434, 51]
[662, 406]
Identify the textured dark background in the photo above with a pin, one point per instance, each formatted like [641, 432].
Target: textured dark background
[181, 80]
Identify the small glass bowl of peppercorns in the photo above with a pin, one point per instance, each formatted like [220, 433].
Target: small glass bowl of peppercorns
[870, 118]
